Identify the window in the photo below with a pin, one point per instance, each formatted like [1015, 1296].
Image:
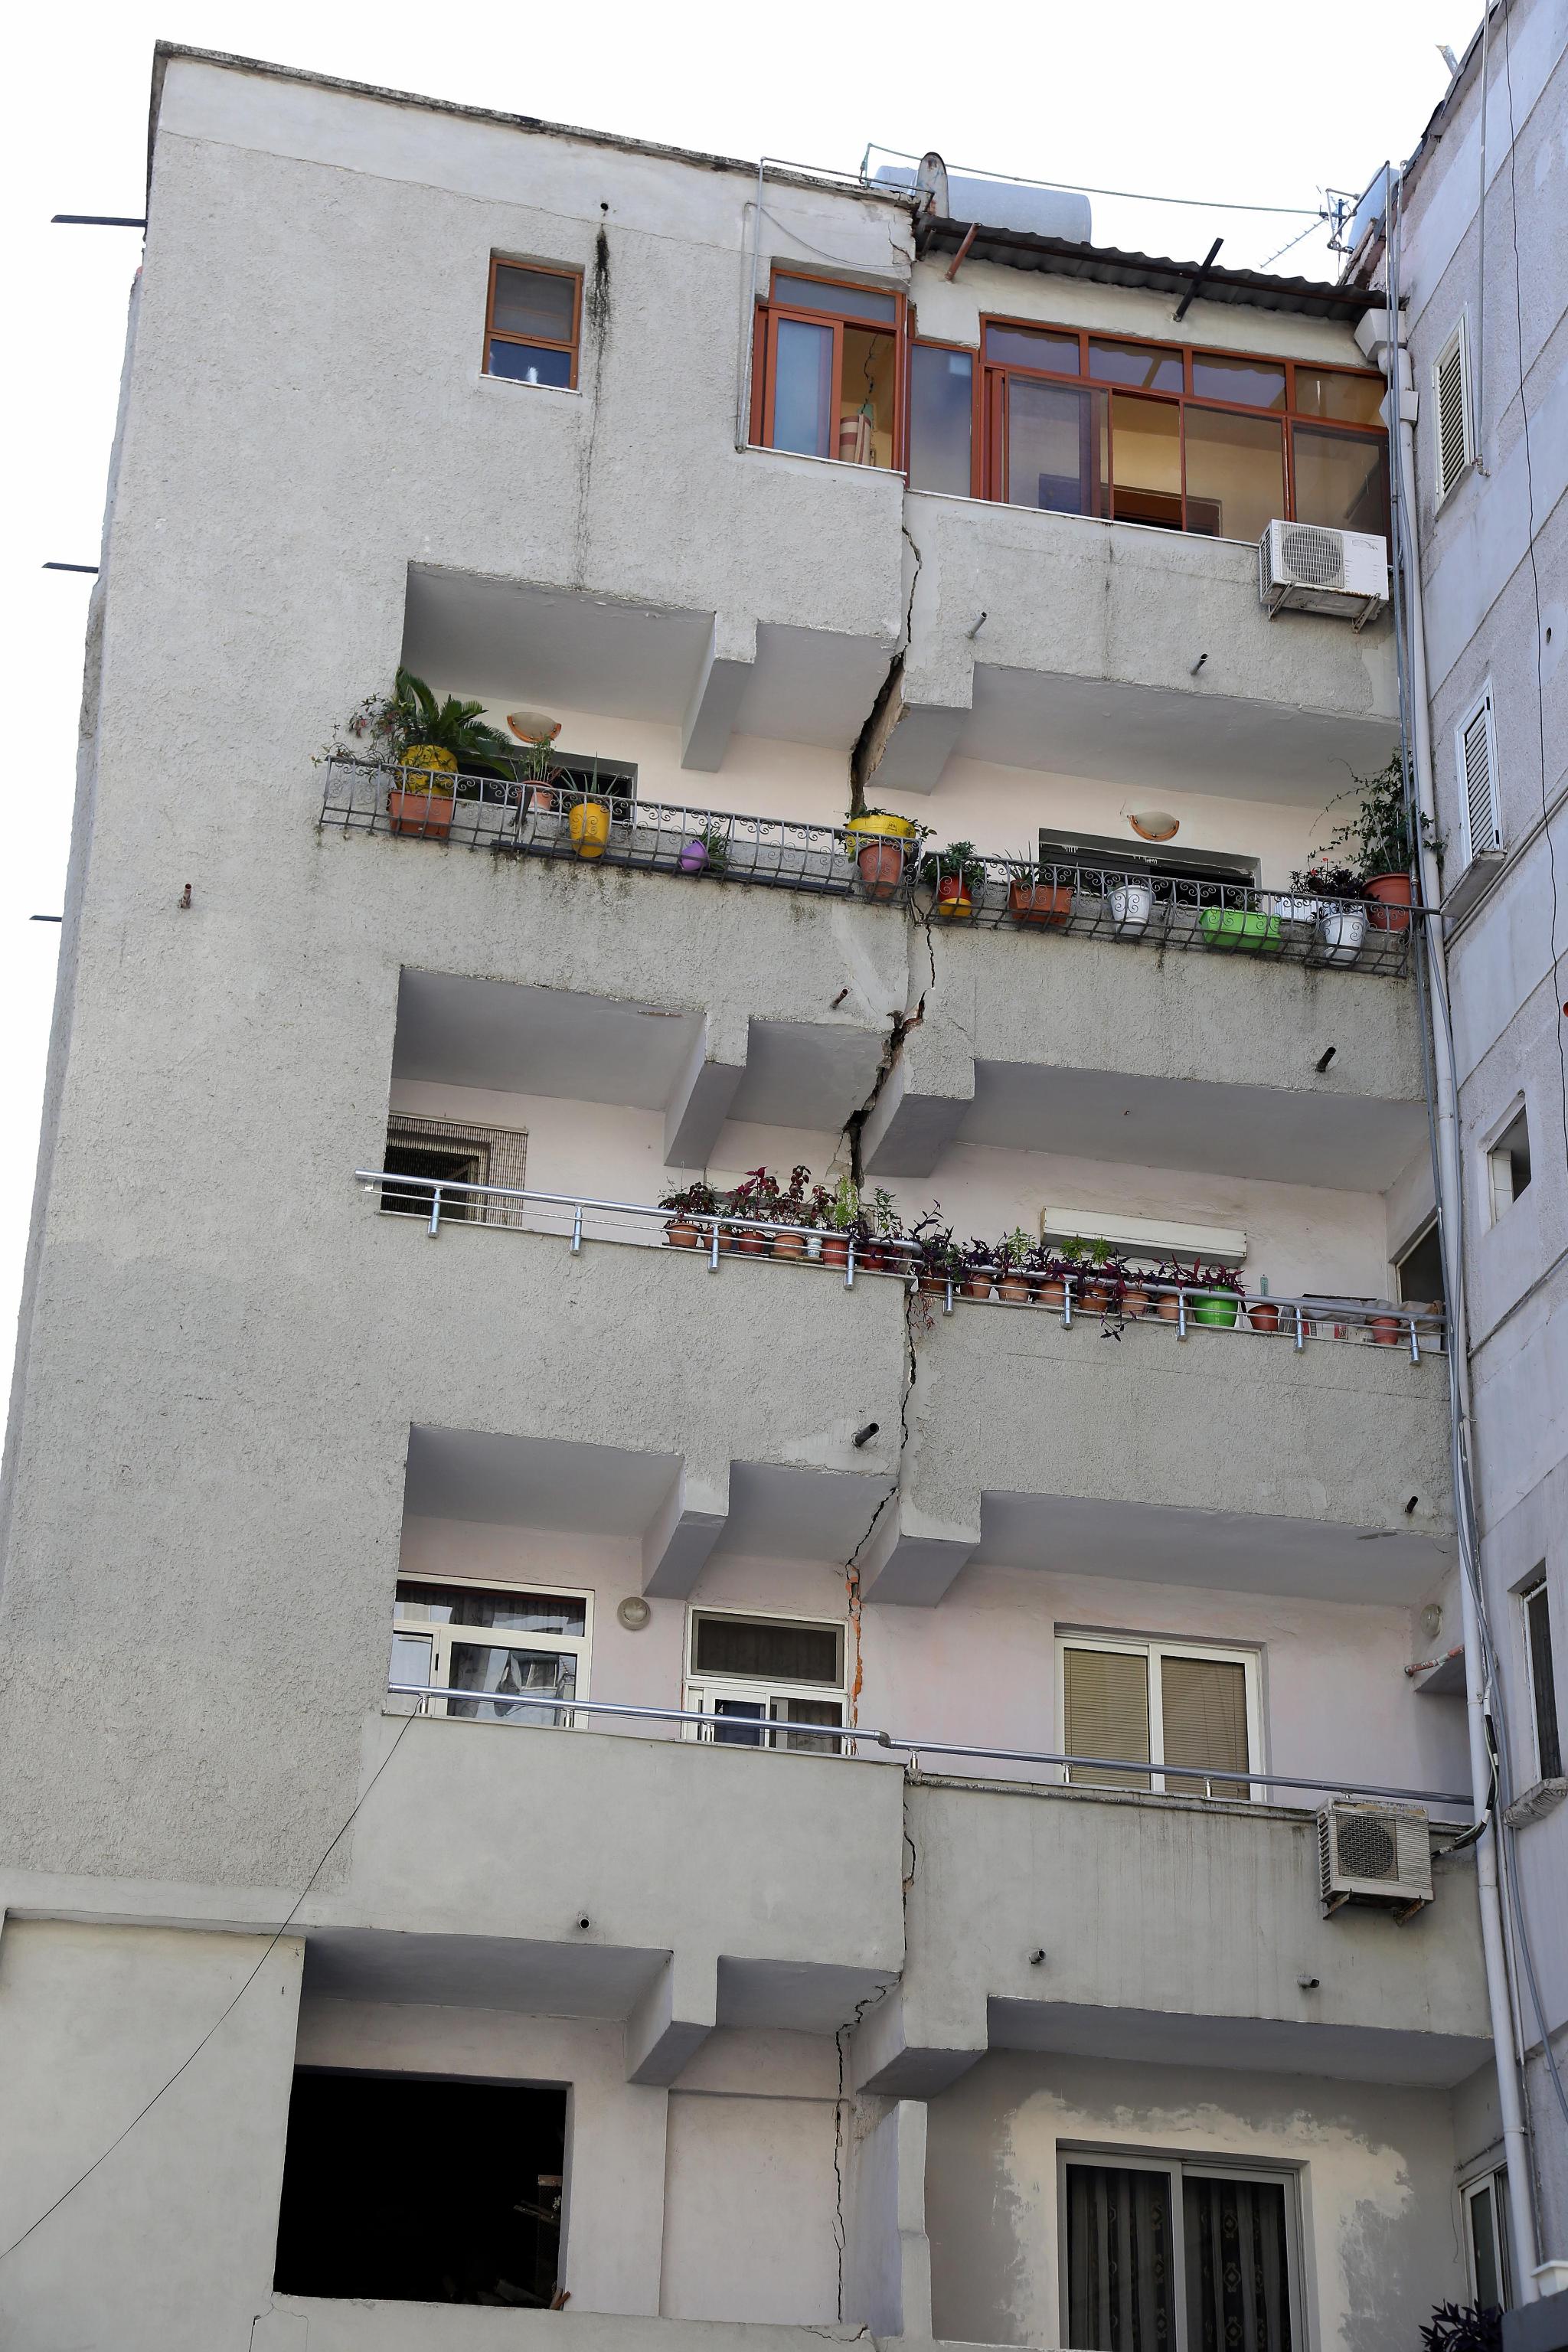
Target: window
[1419, 1269]
[755, 1676]
[436, 1150]
[1160, 1705]
[531, 324]
[1178, 2255]
[491, 1648]
[942, 419]
[1474, 759]
[1453, 412]
[1542, 1679]
[418, 2189]
[1215, 442]
[1485, 2242]
[1508, 1164]
[826, 372]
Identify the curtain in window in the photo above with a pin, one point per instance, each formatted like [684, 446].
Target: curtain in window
[1120, 2294]
[1235, 2243]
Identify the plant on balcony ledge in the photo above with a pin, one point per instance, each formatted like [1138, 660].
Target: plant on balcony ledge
[431, 741]
[1013, 1257]
[957, 874]
[1214, 1292]
[1383, 845]
[686, 1205]
[933, 1261]
[878, 843]
[1037, 893]
[707, 851]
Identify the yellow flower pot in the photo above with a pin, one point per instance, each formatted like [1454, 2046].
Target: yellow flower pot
[901, 828]
[589, 824]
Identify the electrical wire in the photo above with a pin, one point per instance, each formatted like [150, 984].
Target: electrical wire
[1075, 187]
[191, 2057]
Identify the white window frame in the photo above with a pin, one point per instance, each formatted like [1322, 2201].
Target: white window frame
[1527, 1593]
[1481, 708]
[1178, 2169]
[703, 1691]
[1456, 346]
[1497, 1162]
[1154, 1648]
[443, 1638]
[1489, 2188]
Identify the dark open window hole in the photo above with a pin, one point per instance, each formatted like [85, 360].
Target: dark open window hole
[454, 1167]
[412, 2188]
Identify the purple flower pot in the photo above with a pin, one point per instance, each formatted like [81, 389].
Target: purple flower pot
[694, 857]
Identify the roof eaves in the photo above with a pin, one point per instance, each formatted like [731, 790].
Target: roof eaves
[1109, 265]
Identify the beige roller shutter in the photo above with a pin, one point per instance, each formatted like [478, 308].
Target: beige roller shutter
[1107, 1713]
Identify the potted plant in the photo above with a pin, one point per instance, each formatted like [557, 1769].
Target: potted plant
[1013, 1255]
[1214, 1294]
[1383, 1330]
[685, 1206]
[792, 1207]
[1100, 1285]
[707, 851]
[1131, 898]
[933, 1262]
[1380, 842]
[1049, 1278]
[1340, 915]
[1240, 927]
[878, 841]
[880, 1229]
[957, 874]
[974, 1270]
[1263, 1312]
[1038, 892]
[1134, 1285]
[841, 1222]
[432, 744]
[752, 1198]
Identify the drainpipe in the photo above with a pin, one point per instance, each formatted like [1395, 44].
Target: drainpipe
[1447, 1170]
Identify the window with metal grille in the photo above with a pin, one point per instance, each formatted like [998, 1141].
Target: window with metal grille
[1452, 406]
[1475, 757]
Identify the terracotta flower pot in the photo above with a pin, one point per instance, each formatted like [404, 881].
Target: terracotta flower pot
[428, 814]
[1263, 1314]
[977, 1285]
[881, 864]
[789, 1244]
[1384, 1330]
[1049, 1290]
[1015, 1289]
[934, 1283]
[952, 899]
[751, 1244]
[871, 1257]
[1039, 902]
[1097, 1298]
[1392, 895]
[679, 1234]
[1168, 1307]
[1134, 1302]
[835, 1249]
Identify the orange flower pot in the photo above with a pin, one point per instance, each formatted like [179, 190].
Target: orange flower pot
[1134, 1302]
[1049, 1292]
[1263, 1314]
[1039, 902]
[1391, 896]
[835, 1249]
[881, 864]
[1015, 1289]
[1384, 1329]
[425, 814]
[952, 900]
[681, 1236]
[789, 1244]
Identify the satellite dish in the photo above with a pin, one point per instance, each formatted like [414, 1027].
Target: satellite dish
[931, 180]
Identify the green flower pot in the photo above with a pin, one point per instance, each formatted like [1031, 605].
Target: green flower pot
[1231, 927]
[1217, 1306]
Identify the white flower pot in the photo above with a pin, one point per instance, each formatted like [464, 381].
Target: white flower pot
[1130, 905]
[1304, 911]
[1342, 930]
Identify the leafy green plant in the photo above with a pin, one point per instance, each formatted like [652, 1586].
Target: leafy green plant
[958, 861]
[1013, 1249]
[1378, 837]
[410, 719]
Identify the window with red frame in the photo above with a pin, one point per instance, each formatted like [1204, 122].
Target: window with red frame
[533, 320]
[1219, 443]
[827, 379]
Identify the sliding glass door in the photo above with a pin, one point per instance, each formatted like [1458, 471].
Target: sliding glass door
[1167, 2256]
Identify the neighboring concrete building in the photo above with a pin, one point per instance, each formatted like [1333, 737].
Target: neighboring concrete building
[826, 1994]
[1485, 294]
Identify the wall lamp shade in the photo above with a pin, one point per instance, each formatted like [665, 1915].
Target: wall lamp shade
[533, 727]
[1154, 825]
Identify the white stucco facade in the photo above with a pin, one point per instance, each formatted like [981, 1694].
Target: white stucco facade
[823, 2024]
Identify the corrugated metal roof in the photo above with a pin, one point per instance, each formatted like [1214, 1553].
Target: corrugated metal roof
[1252, 289]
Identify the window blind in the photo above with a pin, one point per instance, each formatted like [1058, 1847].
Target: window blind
[1452, 404]
[1203, 1711]
[1107, 1713]
[1475, 742]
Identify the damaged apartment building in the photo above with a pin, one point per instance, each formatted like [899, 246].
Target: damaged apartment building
[601, 1736]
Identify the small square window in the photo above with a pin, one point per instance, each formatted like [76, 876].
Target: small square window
[1508, 1164]
[533, 321]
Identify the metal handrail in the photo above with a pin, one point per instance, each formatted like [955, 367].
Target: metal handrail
[1293, 1317]
[913, 1746]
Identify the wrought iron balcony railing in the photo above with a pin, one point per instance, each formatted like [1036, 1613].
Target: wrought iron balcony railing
[587, 814]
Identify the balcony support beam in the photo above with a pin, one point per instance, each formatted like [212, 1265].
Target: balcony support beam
[899, 2053]
[672, 2020]
[701, 1099]
[714, 704]
[684, 1529]
[924, 1098]
[912, 1559]
[889, 2252]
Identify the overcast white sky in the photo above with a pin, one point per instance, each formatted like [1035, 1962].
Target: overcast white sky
[1246, 101]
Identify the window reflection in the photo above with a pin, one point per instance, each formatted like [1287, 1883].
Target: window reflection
[940, 411]
[1033, 347]
[1235, 474]
[1332, 393]
[865, 398]
[1252, 383]
[803, 389]
[1146, 460]
[1056, 447]
[1341, 480]
[1143, 364]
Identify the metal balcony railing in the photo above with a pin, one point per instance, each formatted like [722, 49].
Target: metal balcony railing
[1218, 1785]
[1127, 906]
[1072, 1297]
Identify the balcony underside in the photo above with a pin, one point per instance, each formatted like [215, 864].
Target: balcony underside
[1349, 2051]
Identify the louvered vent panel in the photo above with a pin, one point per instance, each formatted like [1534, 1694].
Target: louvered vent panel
[1479, 776]
[1453, 389]
[1367, 1846]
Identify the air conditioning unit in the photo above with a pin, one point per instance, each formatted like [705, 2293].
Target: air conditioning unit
[1303, 567]
[1375, 1853]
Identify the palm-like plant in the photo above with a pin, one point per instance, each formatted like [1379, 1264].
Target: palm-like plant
[410, 720]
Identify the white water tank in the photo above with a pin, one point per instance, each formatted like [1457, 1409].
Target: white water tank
[995, 204]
